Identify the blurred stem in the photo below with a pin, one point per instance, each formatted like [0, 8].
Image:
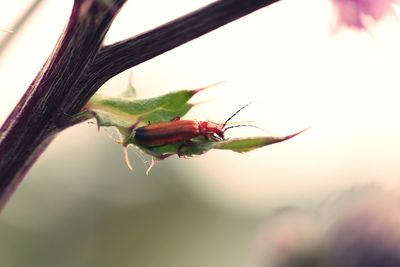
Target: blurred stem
[79, 65]
[18, 24]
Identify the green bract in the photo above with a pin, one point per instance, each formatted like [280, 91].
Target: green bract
[127, 113]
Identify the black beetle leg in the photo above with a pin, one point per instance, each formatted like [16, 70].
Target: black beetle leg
[186, 143]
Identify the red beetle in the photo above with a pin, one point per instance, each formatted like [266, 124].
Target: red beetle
[170, 132]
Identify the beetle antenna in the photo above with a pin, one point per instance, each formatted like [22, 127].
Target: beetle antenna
[234, 114]
[244, 125]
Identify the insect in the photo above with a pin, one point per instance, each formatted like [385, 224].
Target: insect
[177, 130]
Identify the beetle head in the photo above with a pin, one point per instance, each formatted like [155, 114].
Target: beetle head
[216, 131]
[212, 130]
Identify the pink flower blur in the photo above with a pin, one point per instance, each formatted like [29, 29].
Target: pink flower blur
[357, 13]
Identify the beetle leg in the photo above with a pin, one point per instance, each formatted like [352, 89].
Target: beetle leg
[213, 137]
[152, 164]
[216, 138]
[164, 156]
[177, 118]
[136, 123]
[186, 143]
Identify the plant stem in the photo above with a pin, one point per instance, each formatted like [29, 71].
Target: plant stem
[79, 65]
[115, 58]
[36, 119]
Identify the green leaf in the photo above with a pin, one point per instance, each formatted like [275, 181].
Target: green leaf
[124, 111]
[189, 148]
[200, 145]
[127, 113]
[130, 92]
[247, 144]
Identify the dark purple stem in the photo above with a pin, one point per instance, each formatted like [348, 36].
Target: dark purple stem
[79, 65]
[34, 121]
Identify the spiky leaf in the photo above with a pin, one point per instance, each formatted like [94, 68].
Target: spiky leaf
[124, 111]
[200, 145]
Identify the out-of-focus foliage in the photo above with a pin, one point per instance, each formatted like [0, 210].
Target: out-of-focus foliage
[360, 13]
[359, 229]
[100, 214]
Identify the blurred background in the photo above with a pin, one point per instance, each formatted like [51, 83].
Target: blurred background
[81, 206]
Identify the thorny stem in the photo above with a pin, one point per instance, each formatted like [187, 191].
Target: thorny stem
[79, 65]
